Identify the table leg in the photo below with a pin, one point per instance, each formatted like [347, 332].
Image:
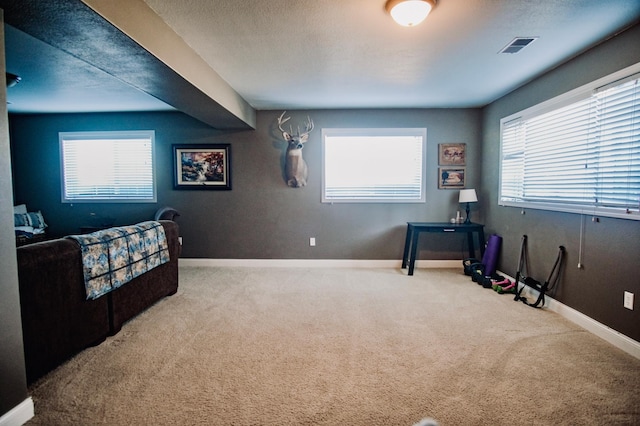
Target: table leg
[472, 249]
[481, 241]
[414, 250]
[407, 245]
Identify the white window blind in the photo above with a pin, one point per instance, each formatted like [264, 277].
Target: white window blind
[373, 165]
[579, 155]
[107, 167]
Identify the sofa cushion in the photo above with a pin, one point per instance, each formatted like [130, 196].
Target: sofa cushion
[32, 219]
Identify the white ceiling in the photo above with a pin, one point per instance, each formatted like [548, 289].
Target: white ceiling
[315, 54]
[351, 54]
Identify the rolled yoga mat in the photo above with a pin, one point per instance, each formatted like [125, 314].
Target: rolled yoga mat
[491, 252]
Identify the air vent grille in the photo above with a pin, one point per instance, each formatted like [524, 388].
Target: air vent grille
[517, 44]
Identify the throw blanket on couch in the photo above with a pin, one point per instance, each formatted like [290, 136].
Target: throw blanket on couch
[114, 256]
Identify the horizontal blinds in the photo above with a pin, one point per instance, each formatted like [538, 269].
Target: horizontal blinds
[108, 169]
[512, 166]
[373, 168]
[586, 153]
[617, 151]
[556, 154]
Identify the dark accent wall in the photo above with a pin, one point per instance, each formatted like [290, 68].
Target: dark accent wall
[611, 247]
[261, 217]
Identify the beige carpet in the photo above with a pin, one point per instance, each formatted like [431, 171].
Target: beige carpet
[255, 346]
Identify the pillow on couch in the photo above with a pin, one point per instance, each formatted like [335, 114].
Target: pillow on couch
[29, 226]
[32, 219]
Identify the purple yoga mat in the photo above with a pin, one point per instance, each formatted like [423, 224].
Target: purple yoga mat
[490, 258]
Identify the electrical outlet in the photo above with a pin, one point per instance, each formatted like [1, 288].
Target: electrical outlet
[628, 300]
[180, 240]
[312, 242]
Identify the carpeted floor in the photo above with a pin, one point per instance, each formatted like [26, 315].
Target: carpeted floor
[307, 346]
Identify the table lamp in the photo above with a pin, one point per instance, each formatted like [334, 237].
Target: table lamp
[468, 196]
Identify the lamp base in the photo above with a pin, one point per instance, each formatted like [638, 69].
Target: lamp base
[468, 211]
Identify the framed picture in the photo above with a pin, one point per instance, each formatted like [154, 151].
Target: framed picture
[452, 154]
[451, 177]
[202, 166]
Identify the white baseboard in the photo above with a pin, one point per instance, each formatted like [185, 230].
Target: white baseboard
[612, 336]
[317, 263]
[18, 415]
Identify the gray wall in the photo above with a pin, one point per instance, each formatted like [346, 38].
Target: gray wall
[13, 381]
[611, 247]
[260, 218]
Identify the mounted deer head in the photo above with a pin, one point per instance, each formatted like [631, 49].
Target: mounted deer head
[295, 167]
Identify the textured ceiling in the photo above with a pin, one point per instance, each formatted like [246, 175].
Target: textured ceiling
[54, 81]
[283, 54]
[349, 53]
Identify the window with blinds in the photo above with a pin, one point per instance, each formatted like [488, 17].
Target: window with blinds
[374, 165]
[578, 153]
[107, 167]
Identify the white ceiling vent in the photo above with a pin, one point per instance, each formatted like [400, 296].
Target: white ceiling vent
[517, 44]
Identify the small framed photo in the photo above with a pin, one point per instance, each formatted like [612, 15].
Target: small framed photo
[451, 177]
[202, 166]
[452, 154]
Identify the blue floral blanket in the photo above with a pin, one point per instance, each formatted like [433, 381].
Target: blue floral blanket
[114, 256]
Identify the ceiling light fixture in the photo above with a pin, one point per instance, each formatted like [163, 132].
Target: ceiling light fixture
[409, 13]
[12, 79]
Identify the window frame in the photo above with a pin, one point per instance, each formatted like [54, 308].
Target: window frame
[107, 135]
[375, 132]
[572, 97]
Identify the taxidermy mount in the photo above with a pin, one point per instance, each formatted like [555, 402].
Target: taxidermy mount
[296, 171]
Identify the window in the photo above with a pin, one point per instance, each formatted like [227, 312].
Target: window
[373, 165]
[107, 167]
[577, 153]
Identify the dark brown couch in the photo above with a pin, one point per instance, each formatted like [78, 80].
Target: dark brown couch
[57, 319]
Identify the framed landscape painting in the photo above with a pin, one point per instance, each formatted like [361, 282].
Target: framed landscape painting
[202, 166]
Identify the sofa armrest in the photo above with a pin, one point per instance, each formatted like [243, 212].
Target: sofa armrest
[57, 320]
[145, 290]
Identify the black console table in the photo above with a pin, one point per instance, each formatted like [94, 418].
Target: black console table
[414, 229]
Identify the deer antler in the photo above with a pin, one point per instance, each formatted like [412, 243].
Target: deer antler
[281, 122]
[308, 127]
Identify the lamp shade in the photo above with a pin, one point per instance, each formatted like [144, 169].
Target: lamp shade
[468, 196]
[409, 12]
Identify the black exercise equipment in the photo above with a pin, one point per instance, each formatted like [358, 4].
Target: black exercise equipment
[542, 288]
